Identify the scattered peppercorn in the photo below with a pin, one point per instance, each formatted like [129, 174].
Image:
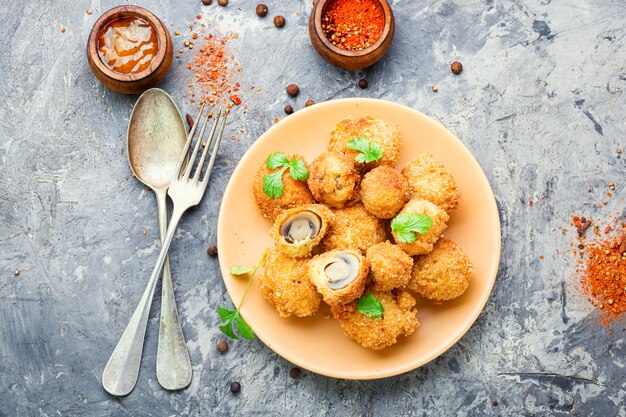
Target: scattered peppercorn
[222, 346]
[222, 3]
[293, 90]
[207, 2]
[363, 83]
[295, 372]
[212, 250]
[279, 21]
[288, 109]
[235, 387]
[62, 29]
[434, 88]
[309, 103]
[456, 67]
[17, 272]
[495, 403]
[261, 10]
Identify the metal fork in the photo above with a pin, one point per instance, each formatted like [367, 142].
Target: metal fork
[121, 372]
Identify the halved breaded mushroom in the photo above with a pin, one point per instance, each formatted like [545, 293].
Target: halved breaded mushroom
[298, 230]
[390, 266]
[339, 275]
[423, 242]
[386, 135]
[443, 274]
[354, 227]
[431, 180]
[333, 179]
[384, 191]
[285, 284]
[399, 317]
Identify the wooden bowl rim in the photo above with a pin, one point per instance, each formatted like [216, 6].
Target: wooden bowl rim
[317, 18]
[161, 39]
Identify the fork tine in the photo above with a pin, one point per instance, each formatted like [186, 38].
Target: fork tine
[195, 148]
[183, 155]
[216, 148]
[206, 148]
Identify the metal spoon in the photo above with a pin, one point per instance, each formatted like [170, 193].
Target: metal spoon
[156, 139]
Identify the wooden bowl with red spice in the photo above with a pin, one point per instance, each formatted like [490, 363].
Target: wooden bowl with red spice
[351, 34]
[129, 49]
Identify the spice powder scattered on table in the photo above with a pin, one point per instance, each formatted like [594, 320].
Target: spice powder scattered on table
[353, 24]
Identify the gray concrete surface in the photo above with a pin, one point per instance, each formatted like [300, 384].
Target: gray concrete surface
[540, 103]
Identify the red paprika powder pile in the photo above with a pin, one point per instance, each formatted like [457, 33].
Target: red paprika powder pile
[353, 24]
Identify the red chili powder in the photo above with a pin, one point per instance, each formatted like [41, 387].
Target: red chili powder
[353, 24]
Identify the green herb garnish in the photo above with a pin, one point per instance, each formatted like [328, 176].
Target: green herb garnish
[406, 226]
[273, 183]
[370, 306]
[228, 317]
[370, 150]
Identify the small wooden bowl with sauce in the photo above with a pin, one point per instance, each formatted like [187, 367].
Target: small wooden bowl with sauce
[330, 49]
[129, 49]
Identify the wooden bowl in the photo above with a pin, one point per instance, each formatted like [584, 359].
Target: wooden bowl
[345, 59]
[141, 81]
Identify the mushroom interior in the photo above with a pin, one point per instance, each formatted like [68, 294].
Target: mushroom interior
[301, 227]
[342, 270]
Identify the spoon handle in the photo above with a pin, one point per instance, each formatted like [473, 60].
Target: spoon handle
[172, 363]
[121, 372]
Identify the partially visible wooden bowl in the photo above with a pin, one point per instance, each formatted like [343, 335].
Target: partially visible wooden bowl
[141, 81]
[345, 59]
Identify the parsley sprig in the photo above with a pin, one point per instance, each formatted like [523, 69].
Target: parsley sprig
[370, 150]
[406, 226]
[230, 317]
[273, 183]
[370, 306]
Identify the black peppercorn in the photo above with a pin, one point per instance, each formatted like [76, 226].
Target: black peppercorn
[235, 387]
[207, 2]
[288, 109]
[261, 10]
[363, 83]
[212, 250]
[295, 372]
[293, 90]
[456, 67]
[279, 21]
[222, 346]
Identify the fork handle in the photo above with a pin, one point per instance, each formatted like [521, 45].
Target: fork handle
[173, 366]
[121, 372]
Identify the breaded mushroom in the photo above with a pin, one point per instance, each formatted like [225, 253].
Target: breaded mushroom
[443, 274]
[296, 193]
[423, 243]
[354, 227]
[387, 136]
[399, 318]
[339, 275]
[384, 191]
[390, 266]
[431, 180]
[299, 230]
[285, 284]
[333, 179]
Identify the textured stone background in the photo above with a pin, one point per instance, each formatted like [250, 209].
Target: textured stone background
[540, 103]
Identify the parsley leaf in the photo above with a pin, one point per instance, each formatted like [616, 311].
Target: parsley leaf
[276, 159]
[273, 183]
[370, 150]
[226, 314]
[244, 328]
[406, 226]
[370, 306]
[240, 270]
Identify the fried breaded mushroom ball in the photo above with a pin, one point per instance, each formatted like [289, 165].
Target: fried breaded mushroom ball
[299, 230]
[339, 275]
[387, 136]
[390, 266]
[443, 274]
[423, 243]
[384, 191]
[285, 284]
[399, 317]
[354, 228]
[431, 180]
[296, 193]
[333, 179]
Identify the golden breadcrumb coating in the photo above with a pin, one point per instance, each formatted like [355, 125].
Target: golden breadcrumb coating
[296, 193]
[384, 191]
[431, 180]
[333, 179]
[387, 136]
[399, 318]
[303, 248]
[354, 227]
[390, 266]
[353, 290]
[443, 274]
[424, 242]
[285, 284]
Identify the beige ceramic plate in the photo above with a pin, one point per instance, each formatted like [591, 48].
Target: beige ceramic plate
[318, 343]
